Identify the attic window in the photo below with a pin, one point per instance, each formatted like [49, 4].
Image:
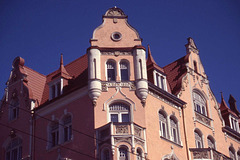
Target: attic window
[160, 80]
[55, 90]
[234, 123]
[195, 66]
[116, 36]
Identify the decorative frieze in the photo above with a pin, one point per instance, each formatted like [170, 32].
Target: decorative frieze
[201, 155]
[116, 53]
[106, 85]
[137, 131]
[121, 129]
[203, 119]
[162, 99]
[123, 139]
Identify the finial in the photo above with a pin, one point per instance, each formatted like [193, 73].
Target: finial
[191, 46]
[150, 58]
[221, 95]
[61, 60]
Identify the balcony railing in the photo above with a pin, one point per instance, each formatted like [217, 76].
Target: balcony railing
[126, 131]
[207, 154]
[203, 119]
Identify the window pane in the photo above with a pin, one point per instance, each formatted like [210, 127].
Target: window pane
[8, 156]
[53, 91]
[58, 89]
[125, 117]
[174, 135]
[114, 117]
[111, 75]
[124, 75]
[123, 154]
[198, 108]
[162, 82]
[164, 130]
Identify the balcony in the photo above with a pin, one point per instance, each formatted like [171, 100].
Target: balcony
[204, 119]
[115, 132]
[207, 154]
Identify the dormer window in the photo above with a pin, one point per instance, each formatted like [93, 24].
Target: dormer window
[160, 80]
[234, 123]
[111, 70]
[55, 89]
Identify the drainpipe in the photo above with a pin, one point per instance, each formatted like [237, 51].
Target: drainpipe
[185, 134]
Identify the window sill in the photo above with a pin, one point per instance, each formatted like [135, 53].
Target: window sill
[177, 144]
[50, 149]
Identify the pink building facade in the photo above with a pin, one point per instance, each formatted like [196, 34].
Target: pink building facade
[113, 103]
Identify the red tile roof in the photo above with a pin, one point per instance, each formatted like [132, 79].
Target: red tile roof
[175, 71]
[76, 72]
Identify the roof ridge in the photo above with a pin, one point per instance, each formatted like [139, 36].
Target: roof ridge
[35, 71]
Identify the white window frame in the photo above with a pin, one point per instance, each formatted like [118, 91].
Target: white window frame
[160, 80]
[198, 132]
[199, 100]
[128, 69]
[56, 132]
[176, 128]
[139, 154]
[14, 109]
[161, 124]
[232, 153]
[234, 123]
[212, 141]
[103, 156]
[127, 153]
[14, 147]
[119, 112]
[114, 67]
[55, 84]
[68, 126]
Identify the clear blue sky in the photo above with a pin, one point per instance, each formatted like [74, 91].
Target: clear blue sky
[40, 30]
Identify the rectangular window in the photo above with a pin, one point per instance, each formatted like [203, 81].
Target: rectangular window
[160, 81]
[114, 117]
[53, 91]
[125, 118]
[58, 89]
[111, 75]
[55, 135]
[174, 135]
[67, 133]
[164, 130]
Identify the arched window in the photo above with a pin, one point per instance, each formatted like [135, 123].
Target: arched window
[14, 149]
[139, 154]
[119, 112]
[54, 133]
[174, 129]
[238, 155]
[199, 103]
[232, 153]
[123, 153]
[195, 66]
[14, 108]
[163, 123]
[124, 70]
[67, 128]
[211, 142]
[105, 155]
[198, 138]
[111, 70]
